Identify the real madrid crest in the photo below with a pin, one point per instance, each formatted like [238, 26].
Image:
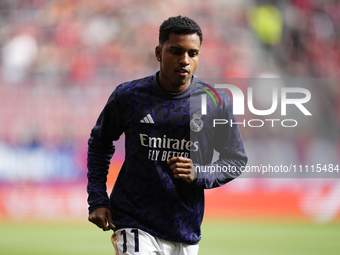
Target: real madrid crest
[196, 124]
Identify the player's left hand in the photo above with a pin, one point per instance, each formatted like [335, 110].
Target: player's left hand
[182, 168]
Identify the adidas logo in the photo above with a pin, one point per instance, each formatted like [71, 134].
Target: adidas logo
[147, 119]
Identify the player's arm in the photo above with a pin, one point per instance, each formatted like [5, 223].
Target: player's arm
[232, 157]
[100, 150]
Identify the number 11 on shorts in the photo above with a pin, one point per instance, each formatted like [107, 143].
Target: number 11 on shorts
[123, 234]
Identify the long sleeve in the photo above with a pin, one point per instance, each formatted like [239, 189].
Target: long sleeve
[108, 128]
[224, 137]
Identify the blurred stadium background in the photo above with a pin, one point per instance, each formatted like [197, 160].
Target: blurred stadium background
[59, 62]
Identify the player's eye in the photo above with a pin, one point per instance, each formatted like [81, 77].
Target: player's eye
[175, 52]
[193, 54]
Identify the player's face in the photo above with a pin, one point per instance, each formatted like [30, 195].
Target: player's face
[178, 61]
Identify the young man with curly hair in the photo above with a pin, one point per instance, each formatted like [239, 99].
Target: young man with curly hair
[156, 205]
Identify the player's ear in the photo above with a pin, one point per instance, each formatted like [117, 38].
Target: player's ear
[158, 53]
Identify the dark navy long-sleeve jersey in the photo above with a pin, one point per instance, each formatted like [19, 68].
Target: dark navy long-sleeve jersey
[158, 126]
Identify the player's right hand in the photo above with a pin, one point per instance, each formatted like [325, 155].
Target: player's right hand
[102, 218]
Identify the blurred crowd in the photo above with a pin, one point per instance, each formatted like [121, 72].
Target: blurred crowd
[88, 47]
[74, 42]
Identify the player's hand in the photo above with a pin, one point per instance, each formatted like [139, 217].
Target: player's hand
[182, 168]
[102, 218]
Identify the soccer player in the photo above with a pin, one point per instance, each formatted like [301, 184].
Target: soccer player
[156, 205]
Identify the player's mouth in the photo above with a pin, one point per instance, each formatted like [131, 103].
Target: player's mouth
[182, 72]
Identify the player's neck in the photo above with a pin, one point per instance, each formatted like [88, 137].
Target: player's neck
[170, 87]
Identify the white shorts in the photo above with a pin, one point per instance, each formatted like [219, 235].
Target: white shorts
[135, 241]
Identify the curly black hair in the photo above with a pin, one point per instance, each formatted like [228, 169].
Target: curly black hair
[178, 25]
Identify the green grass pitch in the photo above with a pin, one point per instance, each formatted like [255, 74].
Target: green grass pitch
[218, 238]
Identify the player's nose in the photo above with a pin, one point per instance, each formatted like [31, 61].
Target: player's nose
[184, 60]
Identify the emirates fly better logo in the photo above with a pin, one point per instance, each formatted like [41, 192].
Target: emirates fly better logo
[239, 102]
